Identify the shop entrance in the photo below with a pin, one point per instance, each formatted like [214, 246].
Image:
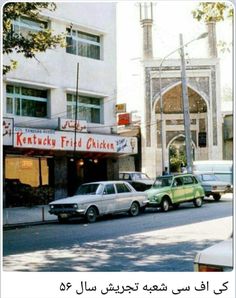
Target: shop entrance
[177, 154]
[85, 170]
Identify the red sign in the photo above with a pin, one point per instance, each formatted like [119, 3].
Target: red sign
[62, 140]
[124, 119]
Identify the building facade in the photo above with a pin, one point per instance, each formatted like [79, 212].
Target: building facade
[164, 132]
[45, 142]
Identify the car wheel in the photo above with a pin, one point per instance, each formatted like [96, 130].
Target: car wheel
[197, 202]
[134, 209]
[217, 197]
[165, 205]
[91, 214]
[62, 219]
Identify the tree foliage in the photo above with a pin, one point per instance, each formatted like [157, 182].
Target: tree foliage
[213, 11]
[34, 42]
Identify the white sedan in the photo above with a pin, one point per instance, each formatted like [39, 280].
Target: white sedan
[99, 198]
[216, 258]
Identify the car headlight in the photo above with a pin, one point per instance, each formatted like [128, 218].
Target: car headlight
[51, 206]
[157, 197]
[75, 206]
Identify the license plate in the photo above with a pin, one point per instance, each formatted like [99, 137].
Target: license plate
[63, 215]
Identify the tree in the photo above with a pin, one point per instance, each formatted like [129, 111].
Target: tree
[33, 42]
[213, 11]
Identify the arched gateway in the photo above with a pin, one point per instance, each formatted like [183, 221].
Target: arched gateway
[172, 124]
[204, 110]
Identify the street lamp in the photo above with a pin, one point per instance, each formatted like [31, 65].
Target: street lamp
[185, 102]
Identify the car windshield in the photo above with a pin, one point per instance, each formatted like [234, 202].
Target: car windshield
[88, 189]
[163, 181]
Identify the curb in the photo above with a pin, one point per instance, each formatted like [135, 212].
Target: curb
[27, 224]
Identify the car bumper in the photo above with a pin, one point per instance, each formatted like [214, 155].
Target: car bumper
[69, 213]
[153, 204]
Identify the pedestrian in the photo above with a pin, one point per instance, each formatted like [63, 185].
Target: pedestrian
[183, 168]
[165, 172]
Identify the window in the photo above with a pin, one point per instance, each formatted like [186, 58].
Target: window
[88, 108]
[188, 180]
[83, 44]
[23, 25]
[109, 189]
[122, 188]
[178, 182]
[23, 101]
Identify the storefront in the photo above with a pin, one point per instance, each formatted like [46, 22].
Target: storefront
[43, 164]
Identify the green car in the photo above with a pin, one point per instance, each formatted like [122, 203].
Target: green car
[172, 190]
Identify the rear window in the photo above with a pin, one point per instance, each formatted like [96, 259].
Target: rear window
[121, 187]
[124, 176]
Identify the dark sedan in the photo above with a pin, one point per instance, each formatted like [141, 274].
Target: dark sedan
[213, 186]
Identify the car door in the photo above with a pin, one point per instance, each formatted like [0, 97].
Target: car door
[124, 196]
[189, 187]
[109, 203]
[177, 190]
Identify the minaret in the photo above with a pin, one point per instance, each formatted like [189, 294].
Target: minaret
[146, 19]
[212, 41]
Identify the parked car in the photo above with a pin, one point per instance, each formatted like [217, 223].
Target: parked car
[216, 258]
[222, 169]
[213, 186]
[99, 198]
[172, 190]
[140, 181]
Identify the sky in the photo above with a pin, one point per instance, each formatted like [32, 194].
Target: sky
[170, 19]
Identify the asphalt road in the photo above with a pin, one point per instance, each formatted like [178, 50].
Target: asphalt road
[153, 241]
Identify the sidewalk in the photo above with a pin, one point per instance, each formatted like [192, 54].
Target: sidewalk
[18, 216]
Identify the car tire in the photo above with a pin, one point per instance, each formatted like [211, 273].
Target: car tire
[62, 220]
[91, 214]
[197, 202]
[134, 209]
[217, 197]
[165, 205]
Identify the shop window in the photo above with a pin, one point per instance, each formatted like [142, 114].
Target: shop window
[27, 181]
[83, 44]
[23, 101]
[88, 108]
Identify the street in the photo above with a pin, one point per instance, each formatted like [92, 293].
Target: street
[152, 241]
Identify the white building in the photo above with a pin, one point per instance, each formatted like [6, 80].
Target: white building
[40, 96]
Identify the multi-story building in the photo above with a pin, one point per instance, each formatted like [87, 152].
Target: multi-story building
[45, 141]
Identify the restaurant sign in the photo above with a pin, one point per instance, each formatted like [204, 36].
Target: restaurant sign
[72, 125]
[67, 141]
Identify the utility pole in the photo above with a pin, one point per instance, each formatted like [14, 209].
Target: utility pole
[76, 109]
[187, 123]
